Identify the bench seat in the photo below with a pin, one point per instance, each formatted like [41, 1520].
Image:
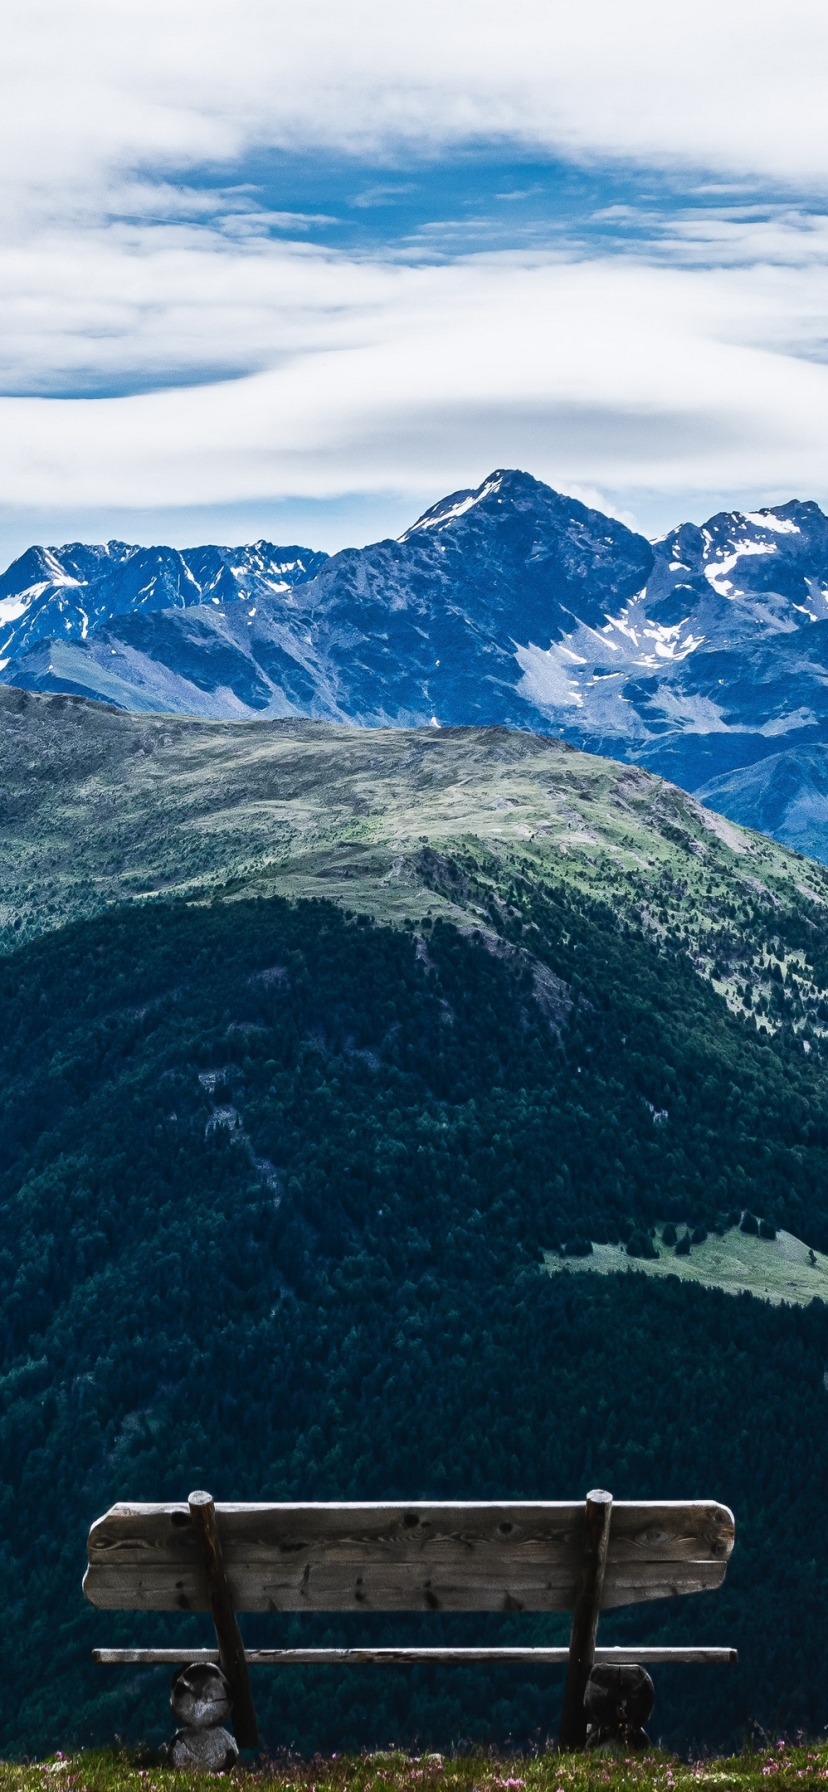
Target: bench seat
[515, 1556]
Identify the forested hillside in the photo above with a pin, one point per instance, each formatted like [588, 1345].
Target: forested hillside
[275, 1183]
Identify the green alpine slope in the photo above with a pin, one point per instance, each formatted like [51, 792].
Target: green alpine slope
[99, 807]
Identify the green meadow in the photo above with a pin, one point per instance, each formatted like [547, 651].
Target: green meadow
[785, 1766]
[779, 1269]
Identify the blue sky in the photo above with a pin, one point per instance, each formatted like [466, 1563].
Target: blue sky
[300, 269]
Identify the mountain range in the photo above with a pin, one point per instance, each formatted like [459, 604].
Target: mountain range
[702, 656]
[65, 594]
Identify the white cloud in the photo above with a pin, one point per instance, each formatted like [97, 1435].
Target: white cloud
[681, 369]
[91, 88]
[130, 306]
[613, 375]
[139, 304]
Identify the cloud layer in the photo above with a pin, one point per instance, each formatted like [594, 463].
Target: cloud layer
[170, 337]
[722, 84]
[628, 376]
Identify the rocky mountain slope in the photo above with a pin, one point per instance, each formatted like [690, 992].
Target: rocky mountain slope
[64, 594]
[697, 656]
[396, 633]
[785, 795]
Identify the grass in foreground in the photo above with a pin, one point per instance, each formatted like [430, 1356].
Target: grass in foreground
[778, 1763]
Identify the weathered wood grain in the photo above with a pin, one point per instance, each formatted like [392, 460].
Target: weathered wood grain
[597, 1520]
[323, 1587]
[649, 1530]
[449, 1557]
[529, 1656]
[631, 1585]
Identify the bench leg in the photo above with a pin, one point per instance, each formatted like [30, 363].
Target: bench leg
[619, 1700]
[228, 1635]
[200, 1700]
[597, 1515]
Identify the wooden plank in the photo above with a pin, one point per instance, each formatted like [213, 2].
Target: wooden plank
[231, 1648]
[596, 1535]
[382, 1557]
[307, 1585]
[529, 1656]
[642, 1530]
[625, 1585]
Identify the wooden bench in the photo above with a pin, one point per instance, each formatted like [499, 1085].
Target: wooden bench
[424, 1556]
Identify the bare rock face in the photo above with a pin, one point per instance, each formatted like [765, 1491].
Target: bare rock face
[203, 1751]
[200, 1697]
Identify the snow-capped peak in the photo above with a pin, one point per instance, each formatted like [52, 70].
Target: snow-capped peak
[70, 591]
[457, 505]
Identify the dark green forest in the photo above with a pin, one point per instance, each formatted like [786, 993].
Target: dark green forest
[275, 1185]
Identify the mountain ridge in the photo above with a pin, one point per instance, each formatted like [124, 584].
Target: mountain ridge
[90, 583]
[100, 807]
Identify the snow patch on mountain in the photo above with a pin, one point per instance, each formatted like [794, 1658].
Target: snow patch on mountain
[717, 575]
[769, 519]
[547, 677]
[449, 509]
[12, 607]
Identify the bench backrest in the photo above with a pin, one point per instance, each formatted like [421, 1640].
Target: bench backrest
[452, 1556]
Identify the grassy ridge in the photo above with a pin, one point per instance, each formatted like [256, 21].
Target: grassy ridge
[100, 807]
